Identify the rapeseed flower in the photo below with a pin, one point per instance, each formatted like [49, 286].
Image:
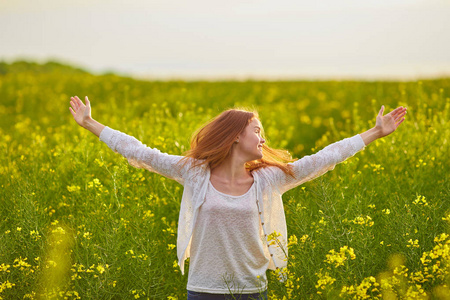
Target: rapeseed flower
[338, 258]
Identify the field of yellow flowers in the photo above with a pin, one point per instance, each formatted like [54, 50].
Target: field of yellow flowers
[78, 222]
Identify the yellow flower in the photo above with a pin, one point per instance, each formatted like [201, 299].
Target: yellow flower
[4, 268]
[73, 188]
[21, 263]
[148, 214]
[273, 236]
[442, 237]
[304, 238]
[420, 200]
[414, 244]
[367, 221]
[35, 235]
[100, 269]
[376, 168]
[338, 258]
[324, 280]
[6, 285]
[59, 230]
[292, 240]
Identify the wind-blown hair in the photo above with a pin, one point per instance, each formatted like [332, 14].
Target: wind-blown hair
[212, 143]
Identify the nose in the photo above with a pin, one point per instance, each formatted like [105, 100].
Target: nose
[262, 141]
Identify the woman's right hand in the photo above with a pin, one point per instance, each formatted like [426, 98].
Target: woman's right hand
[80, 112]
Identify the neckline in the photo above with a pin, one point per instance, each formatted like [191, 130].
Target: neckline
[232, 196]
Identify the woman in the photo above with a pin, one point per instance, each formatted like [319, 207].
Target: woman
[232, 223]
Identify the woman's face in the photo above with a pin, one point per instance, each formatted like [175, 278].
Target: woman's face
[250, 141]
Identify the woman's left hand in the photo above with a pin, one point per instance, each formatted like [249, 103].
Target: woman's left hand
[389, 123]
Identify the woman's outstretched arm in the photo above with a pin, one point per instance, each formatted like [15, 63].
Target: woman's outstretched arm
[138, 154]
[385, 125]
[311, 166]
[82, 115]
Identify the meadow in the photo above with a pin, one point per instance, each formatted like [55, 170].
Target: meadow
[78, 222]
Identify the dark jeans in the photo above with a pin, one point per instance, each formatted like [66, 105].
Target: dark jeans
[206, 296]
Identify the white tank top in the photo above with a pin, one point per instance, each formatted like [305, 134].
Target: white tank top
[227, 254]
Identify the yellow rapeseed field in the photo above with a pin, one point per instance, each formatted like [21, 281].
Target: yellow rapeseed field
[78, 222]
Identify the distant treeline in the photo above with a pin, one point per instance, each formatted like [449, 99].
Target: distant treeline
[21, 66]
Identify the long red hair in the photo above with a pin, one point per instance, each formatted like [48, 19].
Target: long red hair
[212, 143]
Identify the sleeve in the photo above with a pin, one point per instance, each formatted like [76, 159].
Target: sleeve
[312, 166]
[141, 156]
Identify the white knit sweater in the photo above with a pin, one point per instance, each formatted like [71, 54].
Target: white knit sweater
[270, 184]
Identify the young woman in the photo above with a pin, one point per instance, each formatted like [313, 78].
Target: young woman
[232, 223]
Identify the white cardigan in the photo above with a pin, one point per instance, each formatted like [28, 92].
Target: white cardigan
[271, 183]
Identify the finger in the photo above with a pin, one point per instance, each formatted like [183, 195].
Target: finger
[401, 114]
[381, 111]
[395, 111]
[399, 110]
[72, 112]
[400, 117]
[74, 103]
[79, 101]
[88, 103]
[401, 121]
[398, 114]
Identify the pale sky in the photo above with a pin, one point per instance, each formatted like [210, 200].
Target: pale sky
[234, 39]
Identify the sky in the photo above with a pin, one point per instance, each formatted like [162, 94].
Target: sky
[233, 39]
